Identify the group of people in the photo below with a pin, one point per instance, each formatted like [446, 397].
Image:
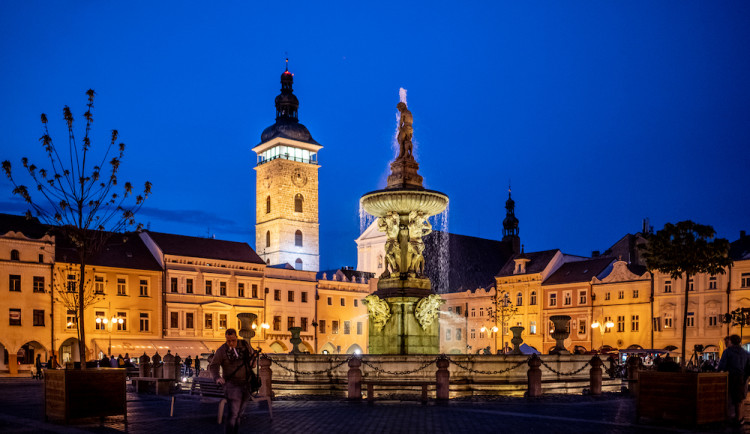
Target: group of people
[116, 362]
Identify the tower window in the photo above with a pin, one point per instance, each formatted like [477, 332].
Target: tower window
[268, 238]
[298, 264]
[268, 204]
[298, 199]
[298, 238]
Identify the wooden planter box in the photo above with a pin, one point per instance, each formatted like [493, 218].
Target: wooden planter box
[75, 394]
[686, 397]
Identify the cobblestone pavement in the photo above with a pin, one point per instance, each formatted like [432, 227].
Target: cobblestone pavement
[21, 411]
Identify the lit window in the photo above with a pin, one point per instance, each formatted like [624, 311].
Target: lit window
[39, 284]
[144, 322]
[15, 283]
[667, 321]
[298, 238]
[347, 327]
[553, 299]
[222, 321]
[70, 320]
[209, 321]
[334, 327]
[298, 200]
[532, 328]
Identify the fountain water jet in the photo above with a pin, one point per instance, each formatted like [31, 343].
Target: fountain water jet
[404, 307]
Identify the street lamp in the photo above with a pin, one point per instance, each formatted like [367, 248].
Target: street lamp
[602, 327]
[109, 323]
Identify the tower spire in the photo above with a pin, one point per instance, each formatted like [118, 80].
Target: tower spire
[510, 223]
[287, 103]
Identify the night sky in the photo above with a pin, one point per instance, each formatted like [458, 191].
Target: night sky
[599, 113]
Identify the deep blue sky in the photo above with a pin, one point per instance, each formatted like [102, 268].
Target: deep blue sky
[601, 113]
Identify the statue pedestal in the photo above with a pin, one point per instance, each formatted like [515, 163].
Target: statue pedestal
[409, 287]
[404, 175]
[403, 334]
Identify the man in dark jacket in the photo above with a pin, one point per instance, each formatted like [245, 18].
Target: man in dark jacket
[236, 359]
[736, 361]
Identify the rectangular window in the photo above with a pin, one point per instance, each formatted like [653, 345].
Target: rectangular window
[173, 284]
[582, 299]
[656, 323]
[322, 326]
[303, 296]
[667, 286]
[347, 327]
[121, 287]
[98, 284]
[222, 321]
[277, 295]
[473, 312]
[223, 289]
[15, 283]
[606, 320]
[209, 321]
[143, 285]
[667, 321]
[481, 334]
[355, 303]
[241, 290]
[303, 323]
[41, 258]
[620, 323]
[712, 282]
[532, 328]
[71, 284]
[189, 318]
[70, 319]
[447, 334]
[174, 320]
[330, 301]
[567, 300]
[335, 327]
[635, 293]
[581, 327]
[144, 322]
[458, 310]
[553, 299]
[343, 301]
[38, 318]
[277, 323]
[289, 322]
[359, 328]
[532, 298]
[99, 319]
[14, 317]
[691, 285]
[690, 319]
[209, 287]
[473, 333]
[124, 325]
[745, 283]
[290, 296]
[481, 311]
[607, 296]
[634, 323]
[39, 284]
[458, 334]
[621, 294]
[713, 320]
[188, 286]
[255, 291]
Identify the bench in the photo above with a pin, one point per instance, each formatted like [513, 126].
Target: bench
[209, 389]
[372, 383]
[163, 385]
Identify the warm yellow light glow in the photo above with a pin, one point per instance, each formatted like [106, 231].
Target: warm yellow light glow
[98, 320]
[595, 324]
[609, 324]
[105, 320]
[483, 329]
[494, 329]
[254, 326]
[265, 326]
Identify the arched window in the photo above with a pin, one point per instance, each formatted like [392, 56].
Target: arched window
[14, 255]
[532, 301]
[298, 264]
[298, 238]
[268, 238]
[519, 299]
[268, 204]
[298, 199]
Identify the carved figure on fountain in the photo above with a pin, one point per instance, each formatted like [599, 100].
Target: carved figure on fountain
[418, 227]
[380, 311]
[405, 132]
[427, 310]
[390, 224]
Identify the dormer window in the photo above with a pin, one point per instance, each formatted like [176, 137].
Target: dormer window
[520, 265]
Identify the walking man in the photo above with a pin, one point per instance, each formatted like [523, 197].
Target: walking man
[236, 359]
[736, 361]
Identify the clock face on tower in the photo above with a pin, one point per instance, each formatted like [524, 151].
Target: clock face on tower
[299, 178]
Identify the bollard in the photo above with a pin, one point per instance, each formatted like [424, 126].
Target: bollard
[442, 378]
[168, 371]
[535, 377]
[177, 367]
[633, 363]
[354, 378]
[265, 377]
[157, 367]
[144, 366]
[596, 375]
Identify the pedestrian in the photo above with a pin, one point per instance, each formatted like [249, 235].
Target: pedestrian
[104, 362]
[188, 365]
[38, 366]
[736, 361]
[236, 359]
[112, 361]
[52, 362]
[120, 361]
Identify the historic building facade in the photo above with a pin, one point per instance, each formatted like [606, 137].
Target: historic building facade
[286, 199]
[290, 302]
[341, 317]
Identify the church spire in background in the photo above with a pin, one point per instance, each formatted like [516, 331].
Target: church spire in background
[510, 223]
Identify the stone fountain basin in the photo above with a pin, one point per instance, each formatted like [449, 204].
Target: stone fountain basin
[380, 202]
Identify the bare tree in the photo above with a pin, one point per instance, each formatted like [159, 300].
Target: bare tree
[79, 194]
[501, 311]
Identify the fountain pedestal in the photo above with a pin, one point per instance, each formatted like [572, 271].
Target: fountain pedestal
[403, 334]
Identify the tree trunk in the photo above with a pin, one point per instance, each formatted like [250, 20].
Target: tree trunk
[81, 323]
[683, 363]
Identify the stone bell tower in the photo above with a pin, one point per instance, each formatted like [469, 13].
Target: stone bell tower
[286, 187]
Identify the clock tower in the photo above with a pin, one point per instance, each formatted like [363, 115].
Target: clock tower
[286, 188]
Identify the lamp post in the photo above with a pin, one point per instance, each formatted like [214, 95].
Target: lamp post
[494, 330]
[109, 323]
[602, 327]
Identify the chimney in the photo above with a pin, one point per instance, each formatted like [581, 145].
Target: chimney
[595, 254]
[743, 234]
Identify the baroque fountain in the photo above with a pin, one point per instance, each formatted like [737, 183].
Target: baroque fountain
[404, 309]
